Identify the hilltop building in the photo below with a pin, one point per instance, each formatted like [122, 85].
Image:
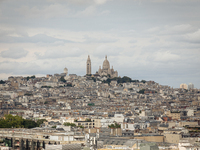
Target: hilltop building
[66, 72]
[106, 69]
[190, 86]
[183, 86]
[88, 65]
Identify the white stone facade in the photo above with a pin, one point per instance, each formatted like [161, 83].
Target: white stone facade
[106, 69]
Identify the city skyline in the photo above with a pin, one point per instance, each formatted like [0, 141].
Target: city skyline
[152, 40]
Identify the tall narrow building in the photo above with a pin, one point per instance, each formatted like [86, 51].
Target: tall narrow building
[190, 86]
[88, 65]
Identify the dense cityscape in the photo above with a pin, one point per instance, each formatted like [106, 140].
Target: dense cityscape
[97, 111]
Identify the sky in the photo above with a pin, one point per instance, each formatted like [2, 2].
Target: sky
[155, 40]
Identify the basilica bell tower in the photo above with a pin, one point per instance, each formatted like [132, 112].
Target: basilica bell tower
[88, 66]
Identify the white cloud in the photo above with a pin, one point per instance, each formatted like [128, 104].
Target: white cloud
[172, 30]
[38, 38]
[178, 29]
[166, 56]
[100, 2]
[62, 53]
[14, 53]
[49, 11]
[108, 50]
[105, 12]
[99, 40]
[193, 37]
[89, 11]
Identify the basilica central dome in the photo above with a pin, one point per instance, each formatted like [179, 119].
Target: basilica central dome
[106, 64]
[65, 70]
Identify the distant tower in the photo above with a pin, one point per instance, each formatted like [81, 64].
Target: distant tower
[183, 86]
[190, 86]
[65, 70]
[88, 65]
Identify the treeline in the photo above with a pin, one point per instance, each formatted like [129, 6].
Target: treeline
[72, 125]
[10, 121]
[2, 82]
[31, 77]
[114, 126]
[124, 79]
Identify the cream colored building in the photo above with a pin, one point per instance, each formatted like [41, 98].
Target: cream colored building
[106, 69]
[173, 115]
[184, 86]
[173, 138]
[94, 123]
[88, 66]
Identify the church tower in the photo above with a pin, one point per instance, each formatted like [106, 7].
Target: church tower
[88, 65]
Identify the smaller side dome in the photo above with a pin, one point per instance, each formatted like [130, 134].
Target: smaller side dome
[65, 70]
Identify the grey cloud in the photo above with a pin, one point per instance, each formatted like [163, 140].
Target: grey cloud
[103, 50]
[39, 38]
[14, 53]
[133, 41]
[87, 12]
[52, 54]
[45, 11]
[188, 40]
[99, 40]
[43, 67]
[154, 40]
[21, 68]
[193, 37]
[172, 30]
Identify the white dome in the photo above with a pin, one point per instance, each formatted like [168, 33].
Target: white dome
[106, 64]
[66, 70]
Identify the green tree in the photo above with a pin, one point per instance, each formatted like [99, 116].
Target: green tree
[2, 82]
[10, 121]
[141, 91]
[94, 79]
[54, 100]
[27, 123]
[143, 81]
[69, 124]
[69, 84]
[28, 94]
[53, 127]
[32, 77]
[116, 125]
[27, 78]
[81, 126]
[88, 120]
[40, 121]
[62, 79]
[45, 86]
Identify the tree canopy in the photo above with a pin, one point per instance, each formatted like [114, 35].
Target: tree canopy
[116, 125]
[141, 91]
[10, 121]
[2, 82]
[62, 79]
[31, 77]
[69, 124]
[124, 79]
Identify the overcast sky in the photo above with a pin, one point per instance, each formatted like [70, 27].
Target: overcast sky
[144, 39]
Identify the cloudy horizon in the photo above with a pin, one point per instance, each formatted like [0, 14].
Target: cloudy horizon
[155, 40]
